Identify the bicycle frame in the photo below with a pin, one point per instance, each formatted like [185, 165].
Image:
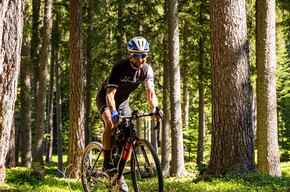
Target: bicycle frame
[128, 149]
[132, 138]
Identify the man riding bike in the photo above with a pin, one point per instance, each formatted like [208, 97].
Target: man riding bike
[124, 78]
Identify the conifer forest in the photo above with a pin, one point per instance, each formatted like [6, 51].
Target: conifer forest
[221, 77]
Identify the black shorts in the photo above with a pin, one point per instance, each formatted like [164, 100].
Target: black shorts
[123, 107]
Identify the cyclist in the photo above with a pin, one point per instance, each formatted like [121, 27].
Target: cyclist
[114, 94]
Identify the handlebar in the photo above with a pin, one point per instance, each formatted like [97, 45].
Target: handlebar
[135, 116]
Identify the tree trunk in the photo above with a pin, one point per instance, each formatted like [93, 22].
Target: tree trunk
[154, 135]
[178, 168]
[267, 135]
[120, 30]
[186, 60]
[10, 57]
[41, 100]
[49, 146]
[89, 69]
[139, 128]
[34, 55]
[24, 128]
[201, 119]
[17, 145]
[165, 144]
[149, 129]
[58, 97]
[165, 147]
[10, 158]
[76, 105]
[232, 149]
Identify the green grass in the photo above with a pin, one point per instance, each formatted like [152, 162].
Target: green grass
[19, 179]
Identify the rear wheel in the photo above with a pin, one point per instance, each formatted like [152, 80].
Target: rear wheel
[145, 168]
[93, 179]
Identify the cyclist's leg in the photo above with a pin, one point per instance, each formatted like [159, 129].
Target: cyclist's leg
[107, 139]
[125, 108]
[106, 116]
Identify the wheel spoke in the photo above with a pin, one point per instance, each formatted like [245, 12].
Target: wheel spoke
[146, 169]
[93, 179]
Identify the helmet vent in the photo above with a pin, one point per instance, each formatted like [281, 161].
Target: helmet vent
[138, 44]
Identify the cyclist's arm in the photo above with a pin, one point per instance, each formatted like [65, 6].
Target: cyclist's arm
[110, 98]
[149, 84]
[152, 99]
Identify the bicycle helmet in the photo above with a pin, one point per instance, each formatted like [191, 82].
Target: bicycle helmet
[138, 44]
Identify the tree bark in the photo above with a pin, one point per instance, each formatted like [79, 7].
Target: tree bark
[10, 56]
[120, 30]
[201, 115]
[165, 146]
[165, 143]
[154, 135]
[232, 149]
[41, 100]
[76, 105]
[149, 129]
[267, 135]
[185, 103]
[10, 158]
[178, 168]
[89, 69]
[34, 55]
[17, 141]
[24, 129]
[49, 146]
[139, 128]
[58, 97]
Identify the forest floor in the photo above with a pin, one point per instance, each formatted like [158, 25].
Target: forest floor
[19, 179]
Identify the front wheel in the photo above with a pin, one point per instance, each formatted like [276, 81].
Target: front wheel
[145, 168]
[93, 179]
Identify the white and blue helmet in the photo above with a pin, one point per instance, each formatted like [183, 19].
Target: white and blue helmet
[138, 44]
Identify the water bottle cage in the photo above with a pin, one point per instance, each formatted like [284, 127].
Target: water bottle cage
[121, 133]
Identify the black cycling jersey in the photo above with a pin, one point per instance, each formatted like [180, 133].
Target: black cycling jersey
[126, 80]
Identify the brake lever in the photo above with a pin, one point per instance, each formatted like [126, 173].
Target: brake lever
[158, 112]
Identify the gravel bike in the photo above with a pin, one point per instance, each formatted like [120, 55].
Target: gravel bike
[144, 165]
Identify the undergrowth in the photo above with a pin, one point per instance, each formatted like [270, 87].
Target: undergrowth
[21, 179]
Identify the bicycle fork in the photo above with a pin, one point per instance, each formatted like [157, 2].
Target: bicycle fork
[123, 159]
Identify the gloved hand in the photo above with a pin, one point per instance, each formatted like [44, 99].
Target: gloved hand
[157, 110]
[114, 115]
[158, 113]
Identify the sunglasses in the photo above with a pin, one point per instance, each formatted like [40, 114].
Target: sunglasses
[136, 56]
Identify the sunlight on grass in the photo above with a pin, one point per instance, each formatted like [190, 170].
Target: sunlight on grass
[19, 179]
[285, 168]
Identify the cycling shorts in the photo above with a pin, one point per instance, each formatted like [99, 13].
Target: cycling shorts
[123, 107]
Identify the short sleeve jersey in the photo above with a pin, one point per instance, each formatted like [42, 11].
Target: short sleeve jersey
[126, 79]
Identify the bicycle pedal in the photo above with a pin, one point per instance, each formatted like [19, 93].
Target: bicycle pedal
[98, 175]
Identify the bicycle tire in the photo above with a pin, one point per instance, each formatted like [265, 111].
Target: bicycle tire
[142, 178]
[92, 161]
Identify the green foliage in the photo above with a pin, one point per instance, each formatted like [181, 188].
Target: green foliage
[283, 77]
[285, 168]
[37, 171]
[285, 156]
[21, 176]
[19, 179]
